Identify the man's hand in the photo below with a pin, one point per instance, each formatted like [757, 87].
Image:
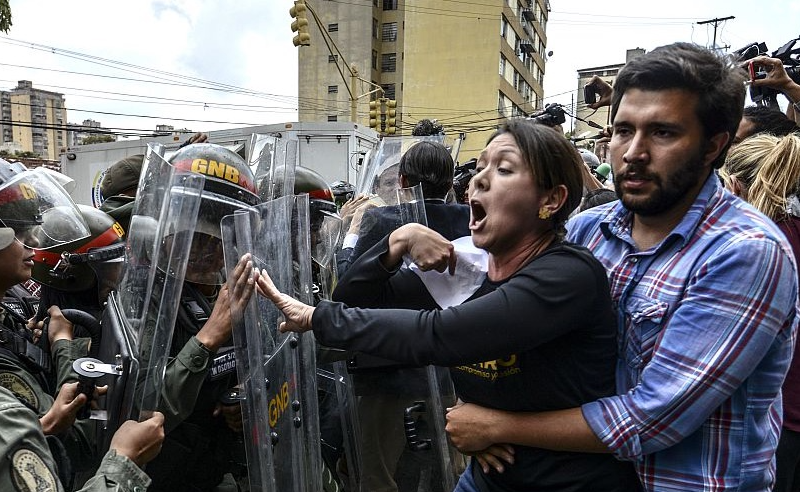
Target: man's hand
[298, 315]
[604, 89]
[64, 410]
[494, 457]
[470, 427]
[359, 208]
[775, 75]
[140, 441]
[426, 247]
[217, 330]
[58, 327]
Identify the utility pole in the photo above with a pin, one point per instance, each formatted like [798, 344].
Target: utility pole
[717, 21]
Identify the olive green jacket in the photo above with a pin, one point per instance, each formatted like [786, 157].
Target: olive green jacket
[29, 466]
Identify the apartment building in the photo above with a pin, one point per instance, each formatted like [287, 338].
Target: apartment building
[33, 120]
[469, 66]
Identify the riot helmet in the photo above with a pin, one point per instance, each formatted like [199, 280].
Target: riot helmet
[229, 186]
[342, 192]
[95, 260]
[35, 209]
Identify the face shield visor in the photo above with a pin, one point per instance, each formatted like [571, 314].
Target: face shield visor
[206, 261]
[39, 212]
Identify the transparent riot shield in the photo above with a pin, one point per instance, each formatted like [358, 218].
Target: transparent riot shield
[276, 370]
[379, 176]
[399, 440]
[140, 315]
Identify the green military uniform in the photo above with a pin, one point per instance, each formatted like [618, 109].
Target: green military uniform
[29, 387]
[120, 207]
[29, 466]
[183, 379]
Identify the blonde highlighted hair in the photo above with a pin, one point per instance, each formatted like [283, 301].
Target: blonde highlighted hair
[769, 167]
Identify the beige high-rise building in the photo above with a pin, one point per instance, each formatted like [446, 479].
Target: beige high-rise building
[470, 65]
[34, 120]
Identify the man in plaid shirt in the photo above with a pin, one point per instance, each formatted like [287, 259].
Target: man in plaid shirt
[704, 287]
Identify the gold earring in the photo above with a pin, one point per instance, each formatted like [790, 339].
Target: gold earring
[544, 213]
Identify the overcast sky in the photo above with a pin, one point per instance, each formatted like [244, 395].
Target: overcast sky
[189, 62]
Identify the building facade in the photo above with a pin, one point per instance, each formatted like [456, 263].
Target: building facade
[603, 115]
[470, 67]
[34, 120]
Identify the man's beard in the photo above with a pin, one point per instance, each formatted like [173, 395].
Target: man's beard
[667, 193]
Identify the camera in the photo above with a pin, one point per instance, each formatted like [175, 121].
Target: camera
[552, 115]
[589, 95]
[462, 174]
[787, 54]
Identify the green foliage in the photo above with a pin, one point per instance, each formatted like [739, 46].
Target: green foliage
[92, 139]
[5, 16]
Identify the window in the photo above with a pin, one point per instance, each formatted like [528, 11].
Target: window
[333, 27]
[388, 91]
[332, 117]
[374, 60]
[388, 62]
[389, 4]
[389, 31]
[503, 27]
[502, 65]
[375, 28]
[333, 89]
[333, 58]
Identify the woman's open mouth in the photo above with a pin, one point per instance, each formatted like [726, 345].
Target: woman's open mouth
[477, 215]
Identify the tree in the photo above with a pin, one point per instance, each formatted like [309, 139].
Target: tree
[92, 139]
[5, 16]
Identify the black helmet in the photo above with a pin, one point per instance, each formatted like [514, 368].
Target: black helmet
[319, 193]
[229, 186]
[77, 265]
[35, 209]
[342, 191]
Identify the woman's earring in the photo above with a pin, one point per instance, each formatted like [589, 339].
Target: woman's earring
[544, 213]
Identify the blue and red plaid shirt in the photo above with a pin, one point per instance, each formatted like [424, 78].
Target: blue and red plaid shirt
[707, 323]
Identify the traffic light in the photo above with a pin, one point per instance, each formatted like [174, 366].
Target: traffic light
[391, 117]
[373, 114]
[300, 24]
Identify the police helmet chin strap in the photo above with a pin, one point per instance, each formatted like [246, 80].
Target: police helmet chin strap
[61, 269]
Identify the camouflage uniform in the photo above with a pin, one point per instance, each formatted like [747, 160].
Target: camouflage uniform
[30, 387]
[30, 467]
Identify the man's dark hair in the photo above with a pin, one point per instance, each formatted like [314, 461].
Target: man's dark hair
[426, 128]
[718, 83]
[769, 120]
[593, 198]
[428, 163]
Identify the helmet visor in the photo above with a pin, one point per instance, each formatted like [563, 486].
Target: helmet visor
[40, 211]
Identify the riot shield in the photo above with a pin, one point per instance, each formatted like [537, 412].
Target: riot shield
[273, 160]
[400, 410]
[379, 177]
[140, 316]
[276, 370]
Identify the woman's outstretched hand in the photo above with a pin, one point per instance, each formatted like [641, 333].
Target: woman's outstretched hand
[298, 315]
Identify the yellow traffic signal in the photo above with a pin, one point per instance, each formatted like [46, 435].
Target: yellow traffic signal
[391, 117]
[373, 114]
[300, 24]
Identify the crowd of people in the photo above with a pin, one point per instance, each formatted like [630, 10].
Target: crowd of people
[629, 325]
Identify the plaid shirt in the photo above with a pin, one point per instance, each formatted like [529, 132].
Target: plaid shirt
[706, 332]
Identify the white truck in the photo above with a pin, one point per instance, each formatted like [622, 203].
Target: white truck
[336, 150]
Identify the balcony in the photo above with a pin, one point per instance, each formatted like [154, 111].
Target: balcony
[526, 47]
[528, 15]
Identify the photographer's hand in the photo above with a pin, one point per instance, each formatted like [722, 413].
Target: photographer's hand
[777, 78]
[604, 89]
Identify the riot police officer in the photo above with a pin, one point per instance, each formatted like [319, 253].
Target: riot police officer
[35, 212]
[202, 449]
